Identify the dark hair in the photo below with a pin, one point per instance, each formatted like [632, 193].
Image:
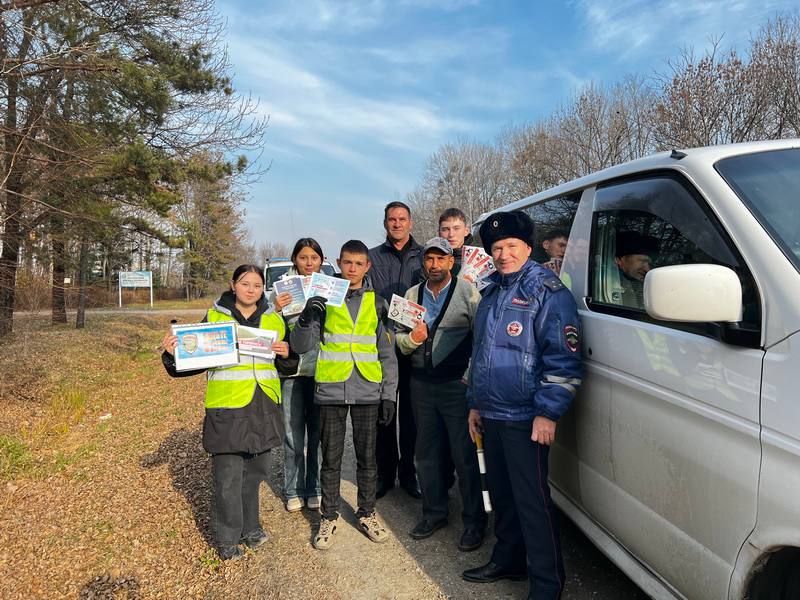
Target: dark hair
[354, 247]
[453, 213]
[395, 204]
[555, 234]
[244, 269]
[307, 243]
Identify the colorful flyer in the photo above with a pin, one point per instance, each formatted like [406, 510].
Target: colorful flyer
[205, 345]
[256, 342]
[292, 285]
[333, 289]
[406, 312]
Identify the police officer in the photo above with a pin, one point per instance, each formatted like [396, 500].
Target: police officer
[524, 374]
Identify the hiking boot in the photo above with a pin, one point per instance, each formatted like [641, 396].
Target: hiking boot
[255, 538]
[313, 503]
[324, 538]
[371, 526]
[294, 504]
[230, 552]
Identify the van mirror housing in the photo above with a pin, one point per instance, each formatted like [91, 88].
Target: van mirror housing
[693, 293]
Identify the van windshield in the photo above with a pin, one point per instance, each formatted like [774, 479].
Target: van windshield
[767, 182]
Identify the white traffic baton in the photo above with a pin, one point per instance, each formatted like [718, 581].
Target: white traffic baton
[487, 501]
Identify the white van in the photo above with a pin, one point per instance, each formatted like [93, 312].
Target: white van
[680, 458]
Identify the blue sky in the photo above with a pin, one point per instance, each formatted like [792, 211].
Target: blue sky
[361, 93]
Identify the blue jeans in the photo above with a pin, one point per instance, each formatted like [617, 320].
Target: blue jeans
[301, 456]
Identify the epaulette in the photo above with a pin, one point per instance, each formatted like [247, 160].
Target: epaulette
[553, 283]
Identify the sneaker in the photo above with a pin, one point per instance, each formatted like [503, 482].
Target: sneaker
[324, 538]
[314, 502]
[294, 504]
[372, 527]
[255, 538]
[230, 552]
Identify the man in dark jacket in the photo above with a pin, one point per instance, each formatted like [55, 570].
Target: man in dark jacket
[440, 348]
[396, 266]
[524, 374]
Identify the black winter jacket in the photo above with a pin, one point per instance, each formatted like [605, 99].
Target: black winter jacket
[394, 271]
[252, 429]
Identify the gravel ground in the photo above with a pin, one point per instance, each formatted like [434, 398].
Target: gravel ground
[110, 496]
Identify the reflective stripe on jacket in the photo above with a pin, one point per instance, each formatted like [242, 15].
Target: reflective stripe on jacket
[526, 358]
[233, 387]
[347, 343]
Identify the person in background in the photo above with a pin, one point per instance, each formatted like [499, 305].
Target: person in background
[524, 374]
[440, 347]
[454, 227]
[555, 246]
[633, 255]
[243, 421]
[356, 372]
[301, 457]
[396, 266]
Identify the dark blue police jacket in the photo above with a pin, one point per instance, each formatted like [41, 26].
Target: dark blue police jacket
[526, 357]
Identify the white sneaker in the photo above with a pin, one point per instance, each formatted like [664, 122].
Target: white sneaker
[294, 504]
[314, 502]
[324, 538]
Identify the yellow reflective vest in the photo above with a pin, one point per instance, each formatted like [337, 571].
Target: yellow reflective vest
[234, 386]
[349, 344]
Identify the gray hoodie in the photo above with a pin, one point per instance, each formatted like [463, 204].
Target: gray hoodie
[356, 390]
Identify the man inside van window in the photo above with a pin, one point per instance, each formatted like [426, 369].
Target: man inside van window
[634, 256]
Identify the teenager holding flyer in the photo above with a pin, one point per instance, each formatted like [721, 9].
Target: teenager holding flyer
[301, 458]
[356, 372]
[243, 421]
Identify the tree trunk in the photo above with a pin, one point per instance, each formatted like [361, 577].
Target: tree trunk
[83, 264]
[58, 249]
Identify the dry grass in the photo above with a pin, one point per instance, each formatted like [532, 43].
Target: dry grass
[104, 486]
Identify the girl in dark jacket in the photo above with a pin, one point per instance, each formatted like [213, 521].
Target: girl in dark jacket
[239, 438]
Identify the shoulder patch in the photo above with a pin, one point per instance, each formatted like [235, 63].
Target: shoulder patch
[553, 283]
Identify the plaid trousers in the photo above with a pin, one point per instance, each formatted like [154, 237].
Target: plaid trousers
[333, 427]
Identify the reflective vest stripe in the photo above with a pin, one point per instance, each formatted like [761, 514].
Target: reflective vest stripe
[350, 344]
[234, 386]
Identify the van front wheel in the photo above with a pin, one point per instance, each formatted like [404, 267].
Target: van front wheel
[780, 577]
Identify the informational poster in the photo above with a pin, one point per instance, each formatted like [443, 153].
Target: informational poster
[406, 312]
[291, 285]
[256, 342]
[333, 289]
[135, 279]
[205, 345]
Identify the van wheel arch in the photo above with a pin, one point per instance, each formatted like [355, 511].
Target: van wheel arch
[776, 576]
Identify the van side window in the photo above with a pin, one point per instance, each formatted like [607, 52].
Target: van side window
[552, 217]
[654, 222]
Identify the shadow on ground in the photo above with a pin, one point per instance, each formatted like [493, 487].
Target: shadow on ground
[190, 470]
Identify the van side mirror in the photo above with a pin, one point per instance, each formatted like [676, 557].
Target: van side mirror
[693, 293]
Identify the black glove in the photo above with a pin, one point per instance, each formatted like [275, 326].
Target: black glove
[385, 412]
[314, 306]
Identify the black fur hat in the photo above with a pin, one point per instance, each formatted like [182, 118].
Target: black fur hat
[633, 242]
[502, 225]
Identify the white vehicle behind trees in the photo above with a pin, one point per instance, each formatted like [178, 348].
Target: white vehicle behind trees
[681, 456]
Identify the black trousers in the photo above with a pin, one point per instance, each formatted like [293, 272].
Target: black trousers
[525, 517]
[237, 478]
[440, 410]
[392, 465]
[333, 427]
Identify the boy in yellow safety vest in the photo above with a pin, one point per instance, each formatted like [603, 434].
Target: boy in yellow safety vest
[357, 373]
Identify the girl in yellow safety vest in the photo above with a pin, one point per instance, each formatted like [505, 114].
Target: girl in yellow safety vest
[243, 419]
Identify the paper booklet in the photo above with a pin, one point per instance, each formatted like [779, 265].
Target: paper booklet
[333, 289]
[256, 342]
[405, 312]
[205, 345]
[294, 286]
[476, 265]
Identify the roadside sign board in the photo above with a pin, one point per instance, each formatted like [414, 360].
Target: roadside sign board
[134, 279]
